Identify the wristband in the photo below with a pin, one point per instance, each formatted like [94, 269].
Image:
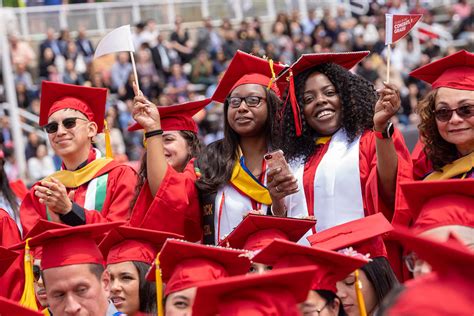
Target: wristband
[153, 133]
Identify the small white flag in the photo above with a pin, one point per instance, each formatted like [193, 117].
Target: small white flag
[118, 40]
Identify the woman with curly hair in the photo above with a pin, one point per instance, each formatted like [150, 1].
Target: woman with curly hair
[352, 158]
[447, 118]
[235, 179]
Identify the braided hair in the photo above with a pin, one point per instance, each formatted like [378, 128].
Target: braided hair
[358, 98]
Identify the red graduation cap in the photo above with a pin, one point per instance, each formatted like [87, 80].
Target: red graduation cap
[307, 61]
[244, 69]
[72, 245]
[332, 266]
[440, 203]
[127, 243]
[364, 235]
[455, 71]
[447, 291]
[178, 117]
[184, 264]
[7, 257]
[9, 307]
[272, 293]
[450, 255]
[57, 96]
[257, 231]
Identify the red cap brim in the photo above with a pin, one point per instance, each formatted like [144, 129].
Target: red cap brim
[89, 101]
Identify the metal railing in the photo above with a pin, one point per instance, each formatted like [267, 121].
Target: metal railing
[99, 18]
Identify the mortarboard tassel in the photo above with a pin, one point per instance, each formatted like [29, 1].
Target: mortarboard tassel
[159, 286]
[270, 63]
[360, 297]
[108, 145]
[294, 105]
[28, 298]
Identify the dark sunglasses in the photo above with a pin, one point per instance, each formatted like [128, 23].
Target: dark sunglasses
[444, 115]
[68, 123]
[36, 272]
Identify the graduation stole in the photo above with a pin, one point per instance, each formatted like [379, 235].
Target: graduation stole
[456, 168]
[245, 182]
[96, 190]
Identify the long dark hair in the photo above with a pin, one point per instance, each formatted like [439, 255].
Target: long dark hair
[194, 145]
[7, 191]
[217, 159]
[358, 98]
[380, 274]
[330, 297]
[146, 289]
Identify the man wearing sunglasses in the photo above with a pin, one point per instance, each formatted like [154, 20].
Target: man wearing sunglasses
[90, 188]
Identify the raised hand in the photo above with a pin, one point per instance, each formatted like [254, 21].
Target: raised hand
[387, 105]
[144, 112]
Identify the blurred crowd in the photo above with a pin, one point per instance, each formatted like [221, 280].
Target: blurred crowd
[185, 65]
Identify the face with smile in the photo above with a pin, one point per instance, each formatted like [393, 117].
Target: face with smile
[176, 149]
[347, 294]
[245, 120]
[75, 290]
[124, 287]
[322, 107]
[180, 303]
[74, 141]
[457, 130]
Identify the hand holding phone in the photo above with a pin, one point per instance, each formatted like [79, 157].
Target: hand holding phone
[276, 159]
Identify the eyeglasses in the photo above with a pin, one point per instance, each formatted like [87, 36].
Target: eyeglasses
[314, 311]
[68, 123]
[250, 101]
[444, 115]
[411, 261]
[36, 272]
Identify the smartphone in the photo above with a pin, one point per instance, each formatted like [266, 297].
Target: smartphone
[276, 159]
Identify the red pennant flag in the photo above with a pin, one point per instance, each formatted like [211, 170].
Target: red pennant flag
[398, 25]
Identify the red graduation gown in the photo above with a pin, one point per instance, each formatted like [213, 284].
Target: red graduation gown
[175, 207]
[9, 234]
[372, 199]
[12, 281]
[120, 190]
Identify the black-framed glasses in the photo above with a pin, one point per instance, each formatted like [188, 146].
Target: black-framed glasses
[68, 123]
[250, 101]
[36, 272]
[444, 115]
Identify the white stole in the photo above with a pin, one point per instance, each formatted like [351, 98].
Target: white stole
[337, 187]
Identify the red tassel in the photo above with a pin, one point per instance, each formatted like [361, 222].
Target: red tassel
[294, 105]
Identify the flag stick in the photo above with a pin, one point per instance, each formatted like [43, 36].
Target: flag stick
[389, 52]
[134, 70]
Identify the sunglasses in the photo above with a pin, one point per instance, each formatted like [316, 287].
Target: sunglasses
[36, 272]
[68, 123]
[444, 115]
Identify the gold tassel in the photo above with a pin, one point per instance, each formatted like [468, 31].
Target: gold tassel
[360, 297]
[28, 298]
[270, 62]
[159, 286]
[108, 145]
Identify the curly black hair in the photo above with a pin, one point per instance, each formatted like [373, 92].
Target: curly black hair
[358, 98]
[217, 159]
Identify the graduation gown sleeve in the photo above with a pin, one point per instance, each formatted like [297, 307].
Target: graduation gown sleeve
[13, 280]
[373, 200]
[9, 234]
[175, 207]
[120, 190]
